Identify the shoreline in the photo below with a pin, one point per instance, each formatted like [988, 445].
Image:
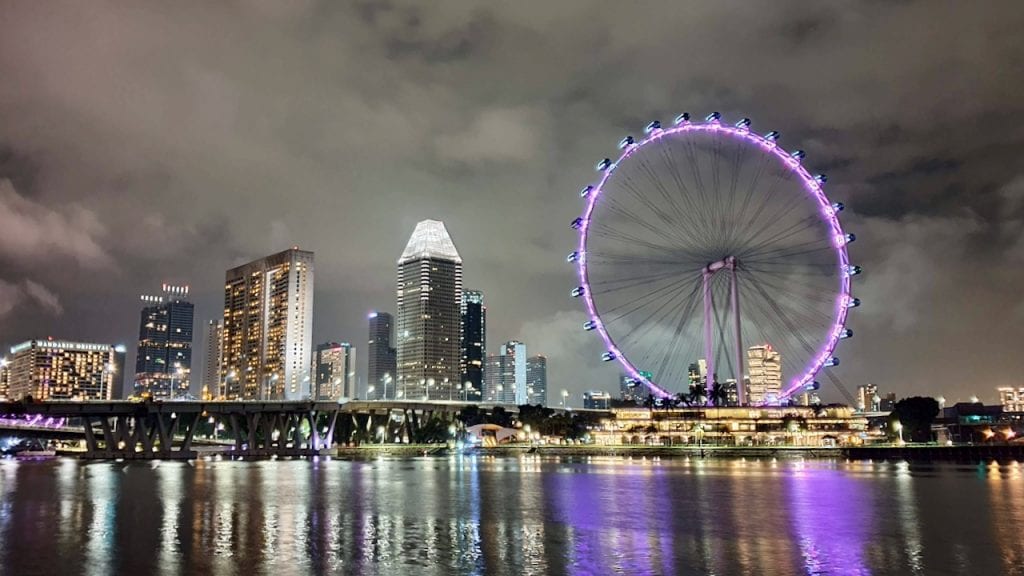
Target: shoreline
[964, 453]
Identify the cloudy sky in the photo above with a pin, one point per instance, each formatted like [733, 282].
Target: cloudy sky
[144, 142]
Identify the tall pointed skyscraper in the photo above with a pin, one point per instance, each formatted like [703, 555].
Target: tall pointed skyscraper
[429, 295]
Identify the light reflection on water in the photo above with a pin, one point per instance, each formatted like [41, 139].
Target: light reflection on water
[527, 515]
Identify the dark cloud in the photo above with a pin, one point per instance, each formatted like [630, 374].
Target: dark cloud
[147, 142]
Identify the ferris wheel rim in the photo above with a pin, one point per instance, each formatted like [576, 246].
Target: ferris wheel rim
[809, 185]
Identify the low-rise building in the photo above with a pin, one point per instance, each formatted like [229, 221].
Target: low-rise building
[734, 426]
[596, 400]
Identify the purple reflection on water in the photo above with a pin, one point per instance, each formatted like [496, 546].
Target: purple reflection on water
[827, 508]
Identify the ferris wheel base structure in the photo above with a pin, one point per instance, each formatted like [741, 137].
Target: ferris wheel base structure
[687, 217]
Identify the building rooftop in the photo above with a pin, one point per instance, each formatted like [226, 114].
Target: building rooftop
[430, 239]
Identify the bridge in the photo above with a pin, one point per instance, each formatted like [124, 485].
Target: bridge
[168, 430]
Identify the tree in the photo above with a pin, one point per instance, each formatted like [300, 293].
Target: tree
[916, 414]
[471, 416]
[433, 431]
[534, 416]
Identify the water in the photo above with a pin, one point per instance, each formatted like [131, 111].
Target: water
[528, 515]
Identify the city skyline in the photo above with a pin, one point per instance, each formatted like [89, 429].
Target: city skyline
[211, 167]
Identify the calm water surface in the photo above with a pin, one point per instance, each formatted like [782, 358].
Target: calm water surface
[529, 515]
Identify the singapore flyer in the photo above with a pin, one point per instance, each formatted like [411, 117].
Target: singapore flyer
[712, 264]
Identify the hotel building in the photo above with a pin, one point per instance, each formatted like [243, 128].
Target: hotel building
[268, 328]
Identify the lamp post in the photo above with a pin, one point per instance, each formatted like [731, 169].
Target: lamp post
[387, 380]
[178, 371]
[565, 396]
[899, 429]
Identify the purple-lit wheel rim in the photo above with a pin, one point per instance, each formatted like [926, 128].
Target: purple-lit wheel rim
[811, 187]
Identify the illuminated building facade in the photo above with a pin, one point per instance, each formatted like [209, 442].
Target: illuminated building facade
[765, 365]
[868, 399]
[505, 375]
[429, 298]
[537, 380]
[597, 400]
[474, 345]
[1012, 399]
[163, 362]
[734, 426]
[381, 374]
[4, 379]
[268, 328]
[336, 372]
[211, 382]
[62, 370]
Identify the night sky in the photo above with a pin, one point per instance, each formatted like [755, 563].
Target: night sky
[143, 143]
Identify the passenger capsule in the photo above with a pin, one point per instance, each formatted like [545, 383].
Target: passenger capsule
[626, 142]
[573, 256]
[813, 386]
[850, 238]
[603, 165]
[589, 325]
[853, 270]
[821, 178]
[577, 224]
[577, 291]
[833, 361]
[838, 207]
[846, 333]
[713, 117]
[652, 127]
[853, 303]
[798, 154]
[773, 136]
[608, 356]
[682, 118]
[586, 191]
[743, 124]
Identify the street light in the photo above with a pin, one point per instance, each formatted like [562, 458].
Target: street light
[178, 371]
[565, 396]
[899, 429]
[387, 380]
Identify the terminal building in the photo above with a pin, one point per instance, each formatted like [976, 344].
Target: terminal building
[734, 426]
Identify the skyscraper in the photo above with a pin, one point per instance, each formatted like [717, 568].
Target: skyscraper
[61, 370]
[505, 375]
[429, 296]
[211, 382]
[380, 374]
[4, 379]
[867, 398]
[499, 373]
[163, 363]
[336, 372]
[629, 388]
[268, 327]
[765, 374]
[537, 380]
[474, 345]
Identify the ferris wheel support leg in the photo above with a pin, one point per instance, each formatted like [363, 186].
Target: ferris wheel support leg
[709, 358]
[741, 392]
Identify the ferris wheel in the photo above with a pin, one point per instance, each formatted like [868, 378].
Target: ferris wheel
[708, 255]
